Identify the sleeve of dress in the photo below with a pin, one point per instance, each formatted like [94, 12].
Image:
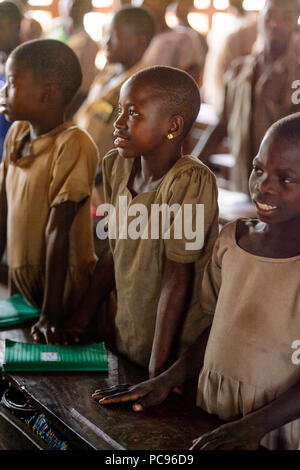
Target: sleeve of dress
[211, 282]
[193, 196]
[107, 173]
[5, 157]
[74, 170]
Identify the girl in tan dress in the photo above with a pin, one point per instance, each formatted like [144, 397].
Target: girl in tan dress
[158, 312]
[46, 181]
[250, 376]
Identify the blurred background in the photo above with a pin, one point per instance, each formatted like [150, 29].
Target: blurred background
[212, 18]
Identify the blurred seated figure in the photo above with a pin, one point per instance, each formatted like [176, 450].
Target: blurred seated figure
[127, 37]
[234, 39]
[183, 8]
[69, 28]
[258, 91]
[238, 43]
[179, 47]
[10, 22]
[30, 28]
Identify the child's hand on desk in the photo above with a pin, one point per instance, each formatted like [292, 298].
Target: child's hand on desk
[51, 332]
[149, 393]
[237, 435]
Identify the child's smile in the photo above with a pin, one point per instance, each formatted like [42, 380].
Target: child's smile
[275, 181]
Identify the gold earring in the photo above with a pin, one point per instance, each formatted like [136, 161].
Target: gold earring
[170, 136]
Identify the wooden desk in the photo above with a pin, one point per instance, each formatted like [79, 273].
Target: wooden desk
[65, 398]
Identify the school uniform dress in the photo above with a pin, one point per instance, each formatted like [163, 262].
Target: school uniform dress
[59, 167]
[248, 361]
[139, 262]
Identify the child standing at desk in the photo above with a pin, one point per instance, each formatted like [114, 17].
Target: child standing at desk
[155, 276]
[250, 375]
[47, 177]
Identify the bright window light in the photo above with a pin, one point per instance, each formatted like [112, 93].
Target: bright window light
[137, 3]
[253, 4]
[40, 3]
[221, 4]
[102, 3]
[93, 24]
[171, 19]
[43, 17]
[101, 60]
[201, 4]
[199, 21]
[222, 22]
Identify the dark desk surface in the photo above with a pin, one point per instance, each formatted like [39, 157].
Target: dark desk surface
[66, 399]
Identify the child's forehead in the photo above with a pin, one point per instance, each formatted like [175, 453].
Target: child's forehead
[16, 66]
[282, 151]
[140, 90]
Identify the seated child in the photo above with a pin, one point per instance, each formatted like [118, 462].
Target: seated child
[250, 376]
[155, 275]
[46, 182]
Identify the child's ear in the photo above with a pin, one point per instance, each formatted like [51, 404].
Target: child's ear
[46, 93]
[176, 125]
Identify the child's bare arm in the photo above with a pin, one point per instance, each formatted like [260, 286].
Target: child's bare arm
[102, 283]
[57, 257]
[172, 306]
[246, 433]
[155, 391]
[3, 222]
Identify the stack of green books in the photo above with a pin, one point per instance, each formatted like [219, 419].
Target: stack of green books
[27, 357]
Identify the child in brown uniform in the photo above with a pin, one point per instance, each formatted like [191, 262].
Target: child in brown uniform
[46, 181]
[250, 376]
[155, 277]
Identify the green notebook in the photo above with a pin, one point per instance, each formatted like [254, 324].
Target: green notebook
[27, 357]
[16, 310]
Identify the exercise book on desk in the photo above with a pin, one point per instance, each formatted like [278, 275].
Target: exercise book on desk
[27, 357]
[16, 310]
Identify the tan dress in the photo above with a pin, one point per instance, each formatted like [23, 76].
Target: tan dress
[250, 108]
[60, 167]
[139, 263]
[248, 361]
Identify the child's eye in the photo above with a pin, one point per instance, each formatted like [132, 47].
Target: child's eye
[133, 113]
[258, 171]
[287, 180]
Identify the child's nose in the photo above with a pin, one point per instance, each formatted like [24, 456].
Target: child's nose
[121, 121]
[266, 184]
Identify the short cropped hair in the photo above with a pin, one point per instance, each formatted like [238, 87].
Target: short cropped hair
[138, 19]
[11, 12]
[176, 90]
[286, 129]
[51, 60]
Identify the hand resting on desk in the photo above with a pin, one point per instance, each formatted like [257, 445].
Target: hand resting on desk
[149, 393]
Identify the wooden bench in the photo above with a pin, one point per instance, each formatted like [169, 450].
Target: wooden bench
[65, 398]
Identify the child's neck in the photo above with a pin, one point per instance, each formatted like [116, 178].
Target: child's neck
[154, 167]
[43, 127]
[148, 172]
[270, 240]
